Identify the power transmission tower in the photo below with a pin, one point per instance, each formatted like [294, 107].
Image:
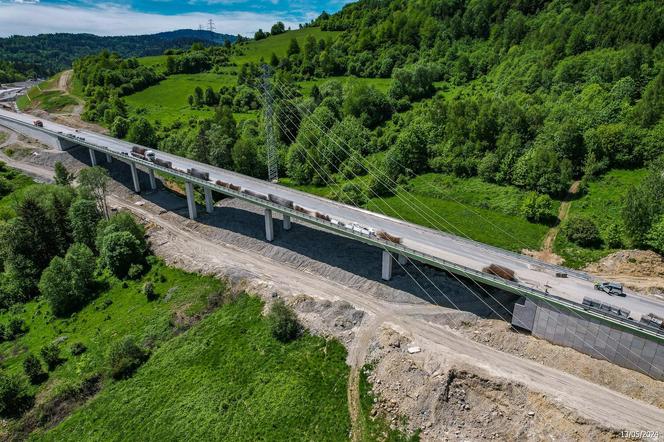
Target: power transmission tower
[211, 26]
[271, 145]
[200, 27]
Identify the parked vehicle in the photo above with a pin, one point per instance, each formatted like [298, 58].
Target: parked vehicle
[611, 288]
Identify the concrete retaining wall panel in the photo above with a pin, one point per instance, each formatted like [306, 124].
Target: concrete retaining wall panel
[592, 337]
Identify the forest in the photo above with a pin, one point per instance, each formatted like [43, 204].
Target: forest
[534, 95]
[47, 54]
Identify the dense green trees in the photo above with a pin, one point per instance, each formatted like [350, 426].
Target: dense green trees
[67, 282]
[642, 208]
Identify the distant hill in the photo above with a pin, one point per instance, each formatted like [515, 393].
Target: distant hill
[46, 54]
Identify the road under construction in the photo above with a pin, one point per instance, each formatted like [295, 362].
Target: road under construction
[554, 296]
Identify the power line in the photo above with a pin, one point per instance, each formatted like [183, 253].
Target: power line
[442, 218]
[271, 147]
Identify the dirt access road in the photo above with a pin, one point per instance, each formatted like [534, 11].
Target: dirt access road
[184, 243]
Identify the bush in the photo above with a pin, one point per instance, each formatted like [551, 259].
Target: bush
[614, 236]
[33, 369]
[67, 282]
[582, 231]
[283, 322]
[118, 251]
[15, 328]
[13, 396]
[124, 358]
[135, 271]
[50, 353]
[655, 237]
[537, 208]
[77, 348]
[148, 291]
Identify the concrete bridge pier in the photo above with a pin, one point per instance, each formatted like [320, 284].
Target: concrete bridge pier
[134, 177]
[153, 181]
[287, 222]
[93, 157]
[403, 259]
[109, 158]
[387, 265]
[191, 202]
[269, 226]
[209, 202]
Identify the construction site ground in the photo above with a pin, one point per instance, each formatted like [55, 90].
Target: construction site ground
[472, 377]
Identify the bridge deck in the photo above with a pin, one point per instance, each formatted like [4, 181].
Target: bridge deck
[532, 275]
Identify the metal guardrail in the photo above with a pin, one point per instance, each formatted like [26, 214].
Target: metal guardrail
[485, 278]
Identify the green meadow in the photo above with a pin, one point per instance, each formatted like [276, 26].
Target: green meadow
[602, 203]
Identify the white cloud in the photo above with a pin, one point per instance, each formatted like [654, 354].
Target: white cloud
[21, 18]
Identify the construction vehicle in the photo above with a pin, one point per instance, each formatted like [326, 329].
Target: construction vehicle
[610, 288]
[150, 155]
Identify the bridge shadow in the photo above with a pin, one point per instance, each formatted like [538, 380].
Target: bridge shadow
[344, 260]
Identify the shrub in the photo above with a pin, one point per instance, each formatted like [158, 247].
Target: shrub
[33, 369]
[582, 231]
[118, 251]
[15, 327]
[124, 358]
[148, 291]
[77, 348]
[13, 396]
[614, 236]
[655, 237]
[135, 271]
[537, 208]
[67, 282]
[51, 355]
[283, 322]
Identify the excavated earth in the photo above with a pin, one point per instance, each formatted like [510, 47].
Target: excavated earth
[333, 286]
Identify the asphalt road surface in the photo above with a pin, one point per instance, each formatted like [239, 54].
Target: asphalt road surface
[529, 272]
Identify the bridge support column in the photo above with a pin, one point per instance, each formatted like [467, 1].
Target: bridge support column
[269, 227]
[209, 202]
[287, 222]
[191, 202]
[134, 177]
[109, 158]
[403, 259]
[93, 157]
[153, 181]
[387, 265]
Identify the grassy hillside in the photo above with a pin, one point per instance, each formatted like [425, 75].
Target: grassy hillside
[210, 366]
[167, 101]
[253, 51]
[46, 96]
[602, 202]
[225, 379]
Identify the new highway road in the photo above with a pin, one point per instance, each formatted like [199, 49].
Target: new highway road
[529, 272]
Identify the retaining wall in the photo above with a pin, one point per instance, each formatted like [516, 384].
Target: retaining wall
[591, 337]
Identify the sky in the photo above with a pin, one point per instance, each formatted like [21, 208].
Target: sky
[135, 17]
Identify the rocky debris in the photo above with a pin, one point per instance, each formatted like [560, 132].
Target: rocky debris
[639, 270]
[630, 262]
[336, 319]
[451, 402]
[501, 336]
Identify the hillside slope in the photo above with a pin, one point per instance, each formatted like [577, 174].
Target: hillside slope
[46, 54]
